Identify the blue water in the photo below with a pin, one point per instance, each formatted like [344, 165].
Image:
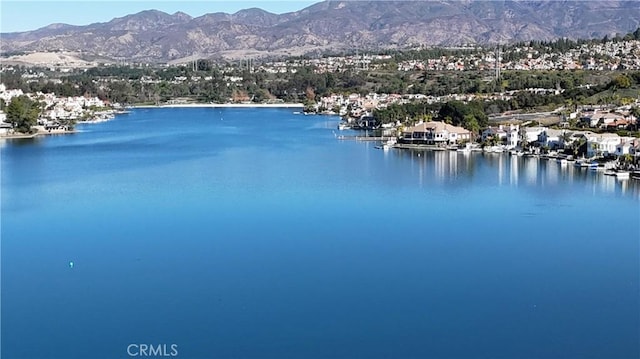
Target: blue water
[255, 233]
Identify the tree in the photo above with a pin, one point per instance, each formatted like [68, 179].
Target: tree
[23, 113]
[471, 123]
[460, 113]
[580, 146]
[566, 139]
[620, 82]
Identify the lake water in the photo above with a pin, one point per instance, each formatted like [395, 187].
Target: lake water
[255, 233]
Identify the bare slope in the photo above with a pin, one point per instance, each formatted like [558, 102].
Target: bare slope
[156, 36]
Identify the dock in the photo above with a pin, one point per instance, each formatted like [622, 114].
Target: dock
[365, 138]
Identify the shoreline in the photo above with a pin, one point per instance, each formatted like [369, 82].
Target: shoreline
[37, 134]
[223, 105]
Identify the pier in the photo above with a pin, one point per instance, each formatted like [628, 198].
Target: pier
[365, 138]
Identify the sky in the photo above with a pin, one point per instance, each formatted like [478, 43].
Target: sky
[25, 15]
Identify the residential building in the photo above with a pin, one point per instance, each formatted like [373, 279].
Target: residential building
[629, 146]
[602, 144]
[551, 138]
[435, 132]
[530, 134]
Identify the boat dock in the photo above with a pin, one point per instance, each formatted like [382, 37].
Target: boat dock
[365, 138]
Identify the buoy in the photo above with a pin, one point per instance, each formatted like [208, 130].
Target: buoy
[70, 264]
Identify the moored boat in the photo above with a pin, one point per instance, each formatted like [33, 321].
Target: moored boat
[343, 126]
[389, 143]
[622, 174]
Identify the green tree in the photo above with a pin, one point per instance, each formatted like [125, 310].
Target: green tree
[471, 123]
[460, 113]
[566, 139]
[621, 82]
[579, 146]
[23, 113]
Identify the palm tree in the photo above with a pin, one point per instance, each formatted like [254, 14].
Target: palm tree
[581, 142]
[566, 139]
[596, 148]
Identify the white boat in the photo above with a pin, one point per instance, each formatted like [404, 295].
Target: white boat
[343, 126]
[622, 174]
[494, 149]
[562, 161]
[465, 149]
[389, 143]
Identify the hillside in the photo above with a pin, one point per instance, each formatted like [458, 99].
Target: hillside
[155, 36]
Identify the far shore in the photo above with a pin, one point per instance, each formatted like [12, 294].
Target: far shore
[224, 105]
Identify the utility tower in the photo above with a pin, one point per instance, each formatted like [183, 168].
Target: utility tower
[498, 62]
[248, 62]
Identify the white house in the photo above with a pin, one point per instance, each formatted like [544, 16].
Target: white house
[530, 134]
[602, 144]
[551, 138]
[627, 145]
[512, 136]
[435, 132]
[494, 132]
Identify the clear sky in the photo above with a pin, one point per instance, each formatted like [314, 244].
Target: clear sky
[25, 15]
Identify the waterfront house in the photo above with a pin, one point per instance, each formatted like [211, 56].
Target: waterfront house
[602, 144]
[506, 135]
[530, 134]
[551, 138]
[512, 135]
[628, 145]
[435, 133]
[494, 132]
[635, 149]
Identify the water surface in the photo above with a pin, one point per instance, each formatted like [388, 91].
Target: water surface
[255, 233]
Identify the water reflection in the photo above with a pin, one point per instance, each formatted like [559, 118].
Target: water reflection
[439, 167]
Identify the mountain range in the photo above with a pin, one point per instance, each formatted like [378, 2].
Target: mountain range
[155, 36]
